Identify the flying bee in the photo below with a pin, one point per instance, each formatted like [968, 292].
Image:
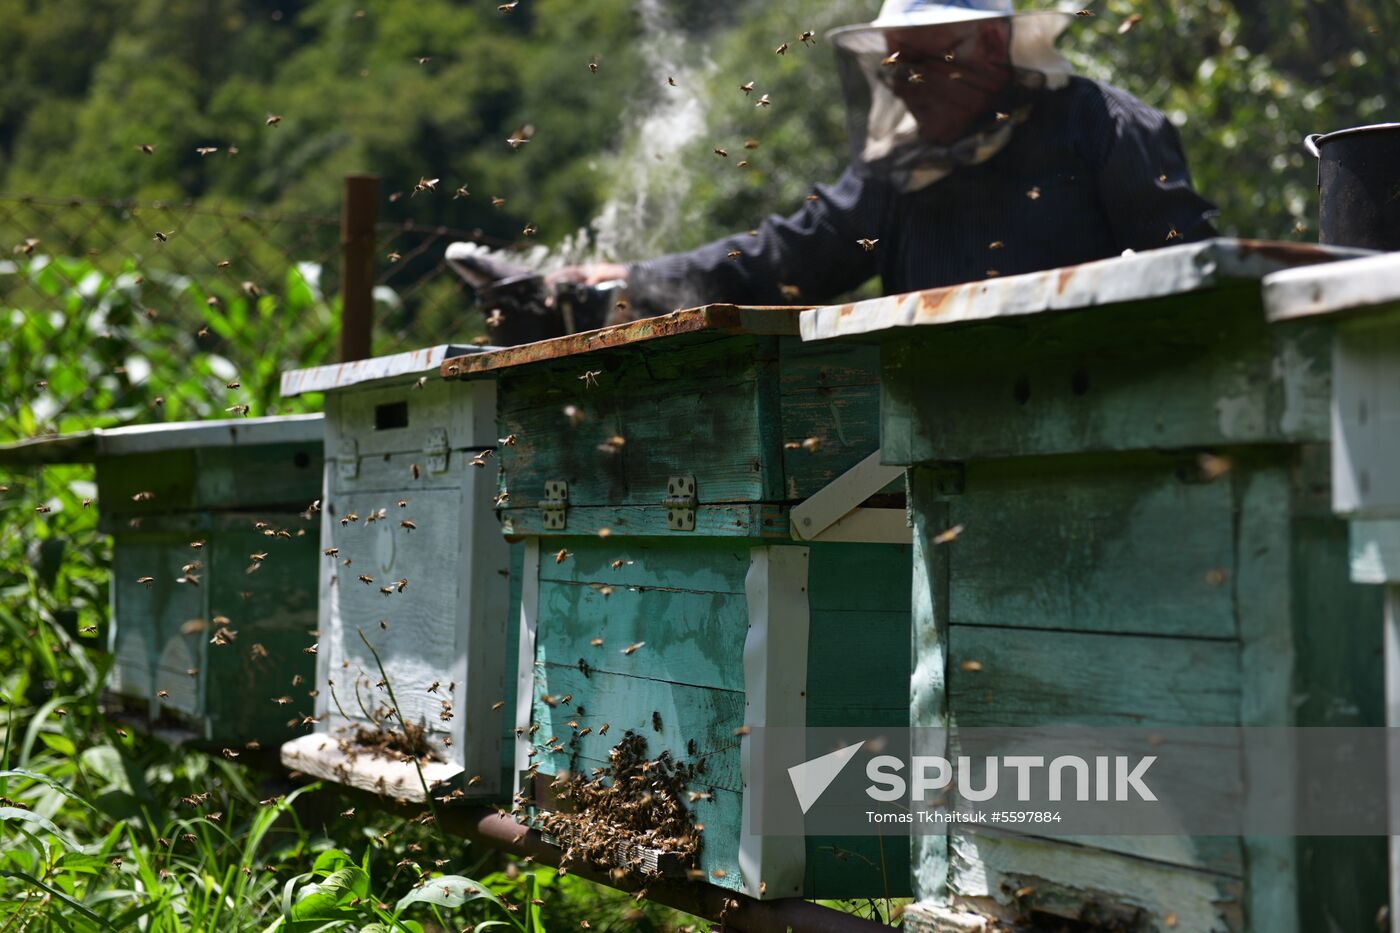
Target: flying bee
[206, 150]
[507, 441]
[561, 556]
[593, 64]
[734, 254]
[145, 581]
[781, 50]
[1172, 234]
[143, 497]
[721, 153]
[746, 88]
[1002, 117]
[1084, 13]
[507, 7]
[258, 558]
[530, 230]
[890, 60]
[425, 184]
[808, 37]
[238, 410]
[916, 77]
[272, 120]
[407, 525]
[521, 136]
[995, 244]
[461, 192]
[432, 687]
[549, 701]
[401, 585]
[89, 630]
[480, 459]
[394, 257]
[868, 244]
[366, 579]
[310, 650]
[258, 651]
[331, 551]
[162, 694]
[590, 377]
[632, 648]
[1034, 193]
[497, 202]
[671, 81]
[162, 237]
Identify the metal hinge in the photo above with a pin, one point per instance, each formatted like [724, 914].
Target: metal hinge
[680, 503]
[435, 449]
[348, 458]
[555, 504]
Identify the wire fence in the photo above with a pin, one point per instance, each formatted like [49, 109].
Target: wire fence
[114, 306]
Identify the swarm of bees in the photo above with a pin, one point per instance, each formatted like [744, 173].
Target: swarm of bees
[631, 805]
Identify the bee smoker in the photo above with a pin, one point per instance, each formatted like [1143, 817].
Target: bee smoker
[519, 306]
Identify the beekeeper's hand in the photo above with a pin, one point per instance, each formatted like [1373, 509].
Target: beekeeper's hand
[591, 274]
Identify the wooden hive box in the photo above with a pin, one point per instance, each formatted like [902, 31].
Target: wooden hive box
[1361, 298]
[1107, 575]
[235, 488]
[414, 564]
[656, 471]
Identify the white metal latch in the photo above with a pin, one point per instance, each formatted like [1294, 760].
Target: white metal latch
[348, 458]
[435, 449]
[555, 504]
[680, 503]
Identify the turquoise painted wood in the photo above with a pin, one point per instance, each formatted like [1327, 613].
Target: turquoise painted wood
[1140, 480]
[761, 422]
[412, 567]
[1361, 300]
[201, 652]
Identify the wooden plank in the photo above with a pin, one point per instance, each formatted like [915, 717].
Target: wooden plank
[320, 756]
[691, 637]
[858, 668]
[1200, 373]
[929, 701]
[274, 607]
[258, 477]
[627, 702]
[1030, 677]
[857, 867]
[1366, 418]
[705, 321]
[842, 496]
[700, 564]
[861, 577]
[401, 367]
[525, 667]
[730, 521]
[1135, 545]
[775, 683]
[834, 430]
[152, 652]
[466, 412]
[1076, 882]
[711, 433]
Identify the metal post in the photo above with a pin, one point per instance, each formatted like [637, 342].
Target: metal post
[357, 218]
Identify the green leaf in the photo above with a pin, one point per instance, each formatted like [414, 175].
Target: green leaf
[448, 891]
[330, 860]
[15, 814]
[59, 743]
[329, 899]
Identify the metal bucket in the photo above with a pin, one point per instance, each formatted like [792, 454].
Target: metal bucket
[1358, 180]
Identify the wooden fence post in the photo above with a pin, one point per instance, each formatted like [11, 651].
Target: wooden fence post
[357, 219]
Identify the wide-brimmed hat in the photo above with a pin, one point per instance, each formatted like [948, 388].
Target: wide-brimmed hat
[1033, 35]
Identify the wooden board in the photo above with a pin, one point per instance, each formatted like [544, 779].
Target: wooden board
[1194, 373]
[1130, 545]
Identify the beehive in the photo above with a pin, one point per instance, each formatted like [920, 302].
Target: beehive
[414, 565]
[199, 653]
[1107, 575]
[656, 471]
[1361, 298]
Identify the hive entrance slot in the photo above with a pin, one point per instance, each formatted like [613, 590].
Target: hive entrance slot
[390, 415]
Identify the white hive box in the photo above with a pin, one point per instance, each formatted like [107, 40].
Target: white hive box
[425, 582]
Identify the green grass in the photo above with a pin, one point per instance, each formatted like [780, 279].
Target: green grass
[105, 828]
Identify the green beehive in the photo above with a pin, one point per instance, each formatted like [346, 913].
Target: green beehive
[204, 632]
[1135, 462]
[710, 543]
[1361, 298]
[414, 565]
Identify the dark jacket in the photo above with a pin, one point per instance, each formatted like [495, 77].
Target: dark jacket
[1093, 171]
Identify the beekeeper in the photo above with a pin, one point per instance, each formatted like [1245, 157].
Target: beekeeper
[975, 152]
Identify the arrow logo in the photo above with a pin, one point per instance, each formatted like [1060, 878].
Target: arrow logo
[811, 778]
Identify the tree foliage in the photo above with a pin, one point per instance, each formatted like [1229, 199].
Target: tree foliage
[432, 89]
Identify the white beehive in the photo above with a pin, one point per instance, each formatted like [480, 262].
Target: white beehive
[415, 564]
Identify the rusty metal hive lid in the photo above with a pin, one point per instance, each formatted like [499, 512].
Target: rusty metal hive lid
[1157, 273]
